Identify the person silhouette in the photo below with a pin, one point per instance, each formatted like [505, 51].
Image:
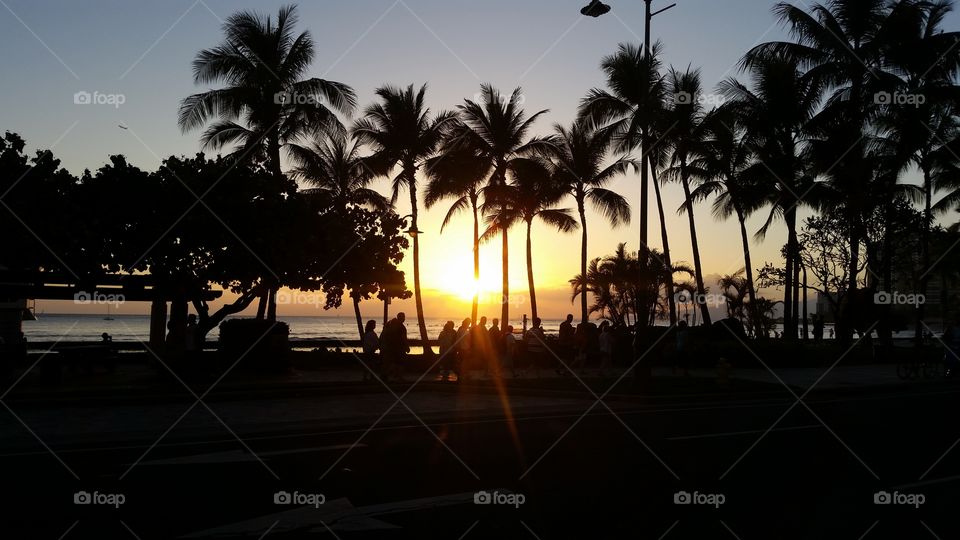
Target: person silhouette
[370, 345]
[448, 355]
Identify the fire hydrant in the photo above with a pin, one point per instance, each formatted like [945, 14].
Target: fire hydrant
[723, 372]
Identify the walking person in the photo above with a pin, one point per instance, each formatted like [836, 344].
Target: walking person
[370, 345]
[394, 346]
[495, 341]
[535, 341]
[480, 348]
[448, 354]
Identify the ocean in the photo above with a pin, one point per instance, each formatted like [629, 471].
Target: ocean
[63, 327]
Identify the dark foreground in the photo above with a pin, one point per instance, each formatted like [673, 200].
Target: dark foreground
[562, 472]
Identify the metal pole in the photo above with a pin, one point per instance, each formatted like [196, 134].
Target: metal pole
[645, 160]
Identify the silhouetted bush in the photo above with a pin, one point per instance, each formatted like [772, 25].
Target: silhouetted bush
[258, 345]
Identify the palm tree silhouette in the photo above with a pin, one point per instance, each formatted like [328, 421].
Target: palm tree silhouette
[719, 169]
[579, 153]
[402, 133]
[775, 117]
[841, 47]
[926, 132]
[455, 174]
[266, 103]
[337, 173]
[493, 131]
[533, 194]
[685, 140]
[634, 109]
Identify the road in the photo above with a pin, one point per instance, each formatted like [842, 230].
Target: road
[752, 465]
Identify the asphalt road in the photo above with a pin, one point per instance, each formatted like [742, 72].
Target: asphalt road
[751, 466]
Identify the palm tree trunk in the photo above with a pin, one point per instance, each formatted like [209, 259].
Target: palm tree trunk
[356, 312]
[789, 330]
[505, 297]
[748, 266]
[697, 267]
[584, 317]
[665, 240]
[272, 304]
[475, 307]
[925, 253]
[530, 287]
[262, 305]
[424, 339]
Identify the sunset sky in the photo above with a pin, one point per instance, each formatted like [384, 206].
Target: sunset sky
[143, 51]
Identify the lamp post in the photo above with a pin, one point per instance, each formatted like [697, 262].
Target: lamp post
[597, 8]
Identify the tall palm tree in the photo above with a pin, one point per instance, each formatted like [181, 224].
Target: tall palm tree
[719, 171]
[337, 173]
[841, 46]
[774, 116]
[494, 131]
[925, 61]
[634, 108]
[579, 154]
[266, 102]
[455, 174]
[533, 194]
[685, 140]
[402, 132]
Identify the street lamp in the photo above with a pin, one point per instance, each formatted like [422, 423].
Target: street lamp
[597, 8]
[412, 231]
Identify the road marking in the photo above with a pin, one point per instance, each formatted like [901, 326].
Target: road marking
[737, 433]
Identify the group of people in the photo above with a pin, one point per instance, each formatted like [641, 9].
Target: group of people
[475, 348]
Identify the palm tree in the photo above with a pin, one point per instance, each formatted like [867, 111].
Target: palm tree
[579, 154]
[494, 131]
[266, 103]
[402, 133]
[533, 194]
[841, 48]
[719, 170]
[335, 170]
[455, 174]
[685, 140]
[774, 117]
[634, 109]
[921, 132]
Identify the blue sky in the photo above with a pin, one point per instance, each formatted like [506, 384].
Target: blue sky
[143, 50]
